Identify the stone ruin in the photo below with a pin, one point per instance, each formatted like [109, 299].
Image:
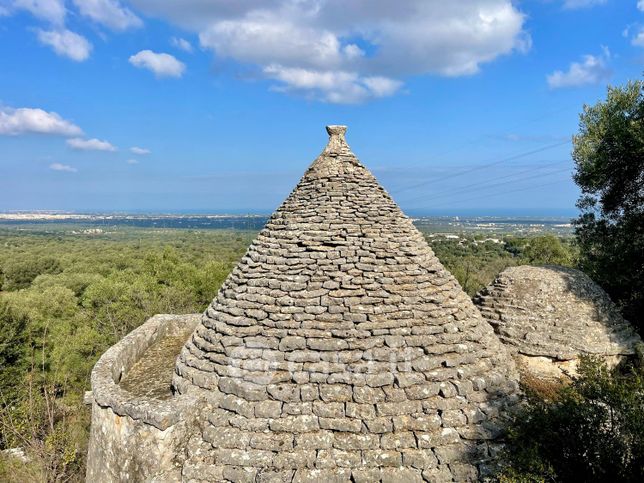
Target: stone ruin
[338, 349]
[548, 316]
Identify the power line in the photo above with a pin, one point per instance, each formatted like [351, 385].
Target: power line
[516, 125]
[465, 189]
[483, 166]
[524, 188]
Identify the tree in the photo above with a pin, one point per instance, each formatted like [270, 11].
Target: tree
[19, 274]
[547, 250]
[12, 350]
[609, 156]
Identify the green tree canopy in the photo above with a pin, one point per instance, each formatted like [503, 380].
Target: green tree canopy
[547, 250]
[609, 157]
[12, 349]
[19, 273]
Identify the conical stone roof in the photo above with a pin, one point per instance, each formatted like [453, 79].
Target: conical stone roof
[555, 312]
[340, 348]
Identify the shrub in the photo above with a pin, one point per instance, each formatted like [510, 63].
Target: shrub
[593, 430]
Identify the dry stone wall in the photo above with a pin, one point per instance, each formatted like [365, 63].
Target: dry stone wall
[341, 349]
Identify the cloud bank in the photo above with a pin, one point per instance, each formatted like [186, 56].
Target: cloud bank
[340, 51]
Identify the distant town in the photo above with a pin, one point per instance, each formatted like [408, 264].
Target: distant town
[97, 223]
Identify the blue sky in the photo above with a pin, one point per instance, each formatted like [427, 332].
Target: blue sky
[211, 105]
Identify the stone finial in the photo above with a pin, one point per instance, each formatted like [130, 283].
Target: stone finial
[337, 142]
[336, 130]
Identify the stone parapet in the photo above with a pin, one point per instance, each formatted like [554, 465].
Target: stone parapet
[135, 437]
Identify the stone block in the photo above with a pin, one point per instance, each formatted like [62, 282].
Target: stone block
[360, 411]
[336, 392]
[236, 457]
[422, 391]
[295, 424]
[268, 409]
[243, 389]
[440, 437]
[366, 475]
[284, 392]
[398, 440]
[378, 380]
[379, 425]
[336, 475]
[334, 458]
[382, 458]
[419, 458]
[272, 441]
[397, 408]
[226, 437]
[341, 424]
[327, 344]
[291, 343]
[295, 459]
[356, 441]
[368, 395]
[401, 475]
[236, 474]
[328, 409]
[418, 422]
[316, 440]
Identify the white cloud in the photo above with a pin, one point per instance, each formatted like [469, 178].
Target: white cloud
[4, 11]
[62, 167]
[639, 38]
[51, 10]
[592, 70]
[163, 65]
[27, 120]
[139, 151]
[573, 4]
[332, 86]
[132, 161]
[90, 145]
[360, 38]
[182, 44]
[66, 43]
[640, 5]
[109, 13]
